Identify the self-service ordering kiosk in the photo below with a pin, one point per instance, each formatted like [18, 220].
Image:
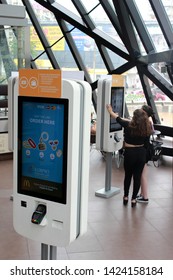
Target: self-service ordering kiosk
[51, 143]
[109, 133]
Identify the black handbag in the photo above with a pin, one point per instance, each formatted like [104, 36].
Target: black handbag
[154, 152]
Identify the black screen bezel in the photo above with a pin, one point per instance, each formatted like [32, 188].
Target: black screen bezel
[62, 198]
[114, 125]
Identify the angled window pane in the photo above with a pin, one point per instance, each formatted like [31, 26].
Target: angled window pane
[117, 60]
[102, 22]
[140, 44]
[68, 5]
[36, 45]
[43, 15]
[89, 53]
[65, 59]
[8, 53]
[43, 62]
[106, 26]
[134, 95]
[168, 5]
[89, 5]
[162, 70]
[15, 2]
[152, 25]
[54, 36]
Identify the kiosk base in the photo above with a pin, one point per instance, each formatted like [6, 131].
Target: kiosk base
[106, 194]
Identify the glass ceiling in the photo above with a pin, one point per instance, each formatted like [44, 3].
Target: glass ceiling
[129, 37]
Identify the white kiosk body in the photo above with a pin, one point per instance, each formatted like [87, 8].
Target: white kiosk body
[109, 134]
[51, 172]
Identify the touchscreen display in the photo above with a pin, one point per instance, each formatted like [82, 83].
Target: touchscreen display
[117, 103]
[42, 149]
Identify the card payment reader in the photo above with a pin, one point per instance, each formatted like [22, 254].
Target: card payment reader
[38, 214]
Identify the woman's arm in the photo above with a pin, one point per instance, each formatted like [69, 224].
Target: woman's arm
[121, 121]
[109, 108]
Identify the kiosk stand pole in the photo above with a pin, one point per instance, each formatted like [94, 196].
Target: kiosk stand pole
[108, 191]
[53, 252]
[48, 252]
[44, 251]
[108, 171]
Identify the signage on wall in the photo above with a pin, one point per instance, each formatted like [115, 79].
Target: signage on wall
[40, 83]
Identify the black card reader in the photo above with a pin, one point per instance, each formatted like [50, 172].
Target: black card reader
[38, 214]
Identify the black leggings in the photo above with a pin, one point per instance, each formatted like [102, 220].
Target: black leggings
[134, 161]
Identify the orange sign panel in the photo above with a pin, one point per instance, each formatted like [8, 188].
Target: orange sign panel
[40, 83]
[117, 81]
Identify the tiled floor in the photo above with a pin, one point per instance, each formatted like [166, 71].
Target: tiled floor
[114, 231]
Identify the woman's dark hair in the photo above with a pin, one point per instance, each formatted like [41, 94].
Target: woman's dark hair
[148, 110]
[140, 124]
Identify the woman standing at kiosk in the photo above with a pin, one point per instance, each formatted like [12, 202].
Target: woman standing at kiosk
[143, 196]
[136, 133]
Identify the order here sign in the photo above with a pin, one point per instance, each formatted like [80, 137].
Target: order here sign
[40, 83]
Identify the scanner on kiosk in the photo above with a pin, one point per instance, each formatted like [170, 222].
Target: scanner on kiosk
[39, 214]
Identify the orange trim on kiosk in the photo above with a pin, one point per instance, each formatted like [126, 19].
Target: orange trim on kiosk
[40, 83]
[117, 81]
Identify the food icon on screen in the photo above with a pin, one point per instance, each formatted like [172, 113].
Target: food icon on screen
[26, 144]
[53, 144]
[28, 152]
[52, 156]
[29, 144]
[59, 153]
[41, 145]
[41, 155]
[32, 143]
[44, 136]
[54, 147]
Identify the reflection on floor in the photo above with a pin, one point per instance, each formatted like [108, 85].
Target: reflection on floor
[114, 231]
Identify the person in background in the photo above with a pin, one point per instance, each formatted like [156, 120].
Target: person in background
[93, 124]
[93, 130]
[143, 196]
[137, 132]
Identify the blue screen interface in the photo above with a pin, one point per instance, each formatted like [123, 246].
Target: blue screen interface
[42, 149]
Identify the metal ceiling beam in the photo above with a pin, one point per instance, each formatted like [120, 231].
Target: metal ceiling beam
[130, 40]
[105, 56]
[74, 50]
[147, 92]
[165, 56]
[112, 17]
[159, 80]
[96, 34]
